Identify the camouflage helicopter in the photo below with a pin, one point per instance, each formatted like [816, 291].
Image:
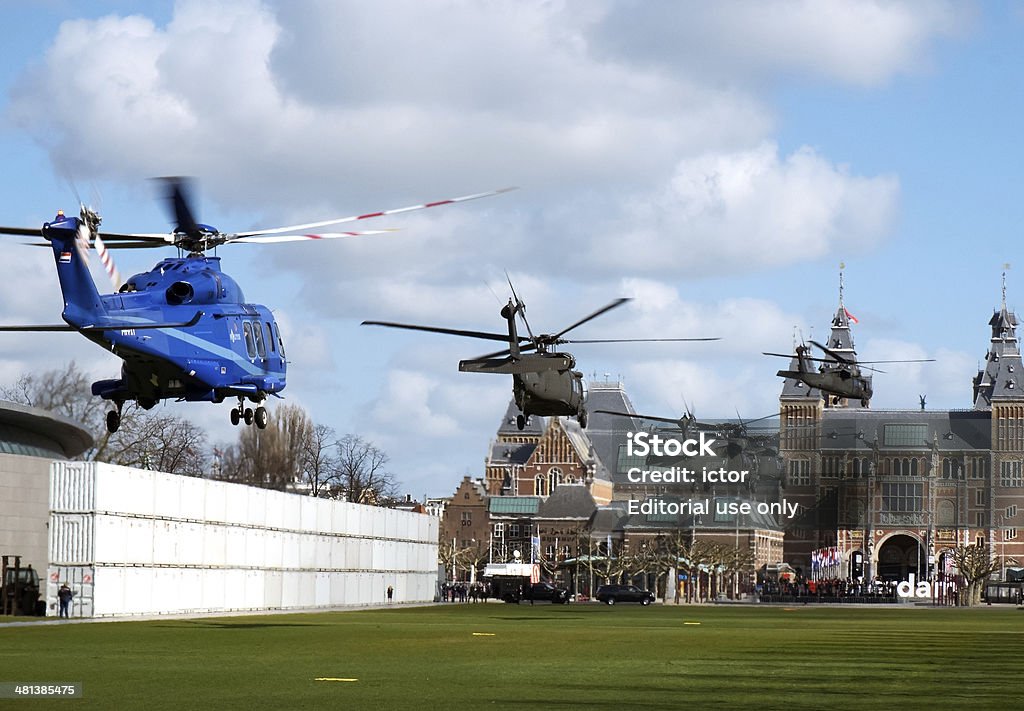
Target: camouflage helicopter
[838, 375]
[544, 381]
[735, 436]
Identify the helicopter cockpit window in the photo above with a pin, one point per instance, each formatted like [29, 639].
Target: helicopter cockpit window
[250, 345]
[257, 332]
[280, 341]
[270, 337]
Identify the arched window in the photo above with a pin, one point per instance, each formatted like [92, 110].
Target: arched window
[554, 479]
[540, 486]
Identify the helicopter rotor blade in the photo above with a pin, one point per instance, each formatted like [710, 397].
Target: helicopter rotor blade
[912, 360]
[757, 419]
[353, 218]
[634, 340]
[604, 309]
[526, 347]
[838, 356]
[436, 329]
[276, 239]
[89, 233]
[22, 231]
[638, 416]
[520, 306]
[179, 197]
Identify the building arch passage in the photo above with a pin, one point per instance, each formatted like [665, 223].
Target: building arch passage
[899, 556]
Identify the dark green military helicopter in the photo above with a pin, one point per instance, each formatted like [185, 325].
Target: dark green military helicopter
[544, 381]
[839, 375]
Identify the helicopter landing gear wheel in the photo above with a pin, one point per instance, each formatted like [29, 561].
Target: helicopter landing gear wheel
[520, 422]
[261, 417]
[113, 421]
[235, 417]
[247, 416]
[582, 419]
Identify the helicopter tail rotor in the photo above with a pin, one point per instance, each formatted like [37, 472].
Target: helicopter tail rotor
[520, 307]
[89, 235]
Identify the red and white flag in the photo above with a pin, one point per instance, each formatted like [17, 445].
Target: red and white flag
[850, 316]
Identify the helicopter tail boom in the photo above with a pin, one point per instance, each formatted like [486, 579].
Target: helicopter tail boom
[516, 366]
[82, 303]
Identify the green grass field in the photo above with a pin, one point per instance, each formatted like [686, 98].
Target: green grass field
[505, 656]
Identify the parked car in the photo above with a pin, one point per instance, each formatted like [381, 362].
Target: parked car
[546, 591]
[611, 594]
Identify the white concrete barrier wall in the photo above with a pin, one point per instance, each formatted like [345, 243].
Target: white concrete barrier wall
[139, 542]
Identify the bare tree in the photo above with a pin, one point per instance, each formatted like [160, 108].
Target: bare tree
[975, 564]
[318, 466]
[161, 442]
[362, 476]
[474, 558]
[149, 440]
[270, 458]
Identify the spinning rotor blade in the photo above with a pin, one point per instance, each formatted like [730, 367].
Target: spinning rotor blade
[837, 356]
[638, 416]
[635, 340]
[189, 235]
[602, 310]
[498, 354]
[914, 360]
[353, 218]
[756, 419]
[434, 329]
[178, 194]
[22, 232]
[520, 306]
[275, 239]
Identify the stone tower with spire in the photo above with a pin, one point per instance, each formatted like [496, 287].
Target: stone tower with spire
[999, 388]
[1000, 380]
[841, 342]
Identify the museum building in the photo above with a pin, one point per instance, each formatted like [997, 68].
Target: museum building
[897, 490]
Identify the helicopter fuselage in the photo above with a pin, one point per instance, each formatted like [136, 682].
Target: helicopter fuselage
[215, 345]
[549, 393]
[841, 382]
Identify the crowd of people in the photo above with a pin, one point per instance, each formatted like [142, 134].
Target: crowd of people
[830, 590]
[464, 592]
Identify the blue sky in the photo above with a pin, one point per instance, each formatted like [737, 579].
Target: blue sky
[715, 161]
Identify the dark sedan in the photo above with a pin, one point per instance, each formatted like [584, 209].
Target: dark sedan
[546, 591]
[611, 594]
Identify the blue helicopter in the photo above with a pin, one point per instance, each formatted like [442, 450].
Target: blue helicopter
[183, 329]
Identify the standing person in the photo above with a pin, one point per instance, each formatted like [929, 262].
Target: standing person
[64, 595]
[391, 592]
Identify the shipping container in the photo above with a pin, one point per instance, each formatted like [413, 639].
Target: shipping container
[134, 542]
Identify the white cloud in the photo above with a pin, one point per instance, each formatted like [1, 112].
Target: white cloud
[864, 43]
[728, 213]
[946, 382]
[406, 406]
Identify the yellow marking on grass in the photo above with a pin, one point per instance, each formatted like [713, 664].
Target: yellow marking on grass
[691, 623]
[483, 634]
[332, 678]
